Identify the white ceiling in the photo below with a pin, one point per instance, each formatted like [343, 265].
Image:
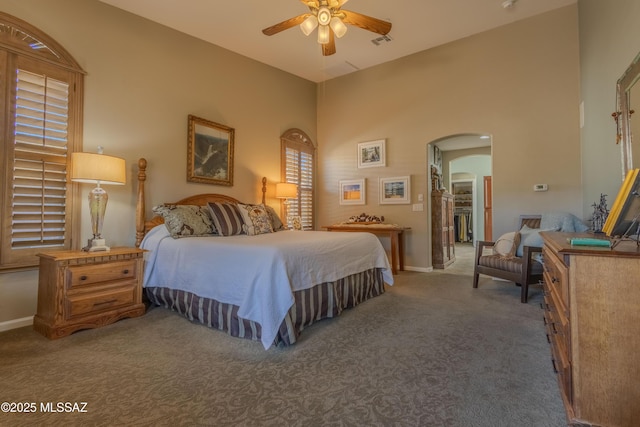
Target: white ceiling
[417, 25]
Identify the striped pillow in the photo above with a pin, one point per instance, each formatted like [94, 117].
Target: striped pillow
[226, 218]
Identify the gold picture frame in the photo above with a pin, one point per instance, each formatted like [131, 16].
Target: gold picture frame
[209, 152]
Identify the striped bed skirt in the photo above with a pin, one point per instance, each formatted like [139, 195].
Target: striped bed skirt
[322, 301]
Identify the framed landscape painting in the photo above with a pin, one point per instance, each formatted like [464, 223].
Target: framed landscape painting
[352, 192]
[371, 154]
[395, 190]
[209, 152]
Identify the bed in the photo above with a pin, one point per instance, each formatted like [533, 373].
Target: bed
[255, 284]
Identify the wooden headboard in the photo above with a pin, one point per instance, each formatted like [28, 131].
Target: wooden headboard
[143, 225]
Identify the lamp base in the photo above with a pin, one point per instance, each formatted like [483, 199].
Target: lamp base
[96, 245]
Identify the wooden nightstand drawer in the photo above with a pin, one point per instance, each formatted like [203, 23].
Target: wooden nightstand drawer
[83, 275]
[95, 302]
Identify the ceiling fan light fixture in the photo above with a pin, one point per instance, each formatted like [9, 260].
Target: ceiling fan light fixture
[309, 24]
[324, 15]
[338, 27]
[323, 34]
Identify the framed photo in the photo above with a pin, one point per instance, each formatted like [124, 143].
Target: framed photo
[209, 152]
[371, 154]
[352, 192]
[395, 190]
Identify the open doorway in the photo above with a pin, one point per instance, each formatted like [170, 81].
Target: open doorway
[461, 165]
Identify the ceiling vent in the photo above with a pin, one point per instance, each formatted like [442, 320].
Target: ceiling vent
[382, 39]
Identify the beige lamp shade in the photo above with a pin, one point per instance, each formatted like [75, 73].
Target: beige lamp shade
[285, 190]
[97, 168]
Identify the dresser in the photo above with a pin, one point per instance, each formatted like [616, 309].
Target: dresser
[443, 251]
[592, 321]
[81, 290]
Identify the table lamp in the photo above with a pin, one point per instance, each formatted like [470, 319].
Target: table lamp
[97, 168]
[286, 190]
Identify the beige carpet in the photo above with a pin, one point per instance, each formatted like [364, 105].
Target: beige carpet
[431, 351]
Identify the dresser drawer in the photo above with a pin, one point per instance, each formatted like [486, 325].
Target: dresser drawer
[81, 304]
[83, 275]
[556, 279]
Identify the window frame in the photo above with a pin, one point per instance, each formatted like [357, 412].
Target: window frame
[23, 46]
[297, 140]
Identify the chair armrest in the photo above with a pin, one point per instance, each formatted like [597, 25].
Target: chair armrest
[480, 245]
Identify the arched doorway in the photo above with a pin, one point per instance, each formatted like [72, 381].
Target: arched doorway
[462, 163]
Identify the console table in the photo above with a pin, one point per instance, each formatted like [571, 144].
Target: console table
[395, 233]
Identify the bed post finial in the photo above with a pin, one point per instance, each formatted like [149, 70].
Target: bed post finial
[140, 206]
[264, 189]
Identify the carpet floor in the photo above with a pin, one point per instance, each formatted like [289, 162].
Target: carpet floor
[431, 351]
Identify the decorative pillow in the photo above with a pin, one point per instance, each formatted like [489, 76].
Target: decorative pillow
[562, 221]
[530, 237]
[226, 218]
[276, 222]
[507, 244]
[256, 219]
[185, 220]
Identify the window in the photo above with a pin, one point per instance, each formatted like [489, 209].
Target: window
[41, 120]
[298, 167]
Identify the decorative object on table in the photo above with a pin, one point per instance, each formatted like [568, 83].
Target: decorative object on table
[352, 192]
[363, 218]
[371, 154]
[600, 213]
[209, 152]
[286, 191]
[97, 168]
[395, 190]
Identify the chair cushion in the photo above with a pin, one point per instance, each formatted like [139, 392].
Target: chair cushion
[512, 265]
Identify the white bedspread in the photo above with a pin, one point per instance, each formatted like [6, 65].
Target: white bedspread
[259, 273]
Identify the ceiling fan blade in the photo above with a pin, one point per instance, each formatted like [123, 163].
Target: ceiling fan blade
[311, 3]
[366, 22]
[330, 47]
[285, 25]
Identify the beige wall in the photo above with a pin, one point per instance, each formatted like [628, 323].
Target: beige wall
[609, 41]
[518, 83]
[142, 82]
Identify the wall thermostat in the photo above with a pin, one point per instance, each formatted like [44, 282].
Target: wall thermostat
[540, 187]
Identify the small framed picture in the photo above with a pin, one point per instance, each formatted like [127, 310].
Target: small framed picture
[352, 192]
[395, 191]
[371, 154]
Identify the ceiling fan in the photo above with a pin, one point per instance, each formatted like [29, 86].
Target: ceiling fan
[330, 19]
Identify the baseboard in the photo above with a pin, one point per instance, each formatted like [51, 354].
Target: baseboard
[419, 269]
[16, 323]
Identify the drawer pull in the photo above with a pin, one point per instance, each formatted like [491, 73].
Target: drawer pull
[125, 271]
[83, 277]
[111, 301]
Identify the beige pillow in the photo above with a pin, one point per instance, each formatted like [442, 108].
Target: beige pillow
[507, 244]
[256, 219]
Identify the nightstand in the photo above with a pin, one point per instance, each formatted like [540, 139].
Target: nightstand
[81, 290]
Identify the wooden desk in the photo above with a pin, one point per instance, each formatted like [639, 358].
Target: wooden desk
[394, 232]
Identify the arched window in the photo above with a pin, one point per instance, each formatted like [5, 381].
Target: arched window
[41, 122]
[298, 167]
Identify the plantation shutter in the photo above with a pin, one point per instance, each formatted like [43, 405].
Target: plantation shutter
[299, 169]
[41, 124]
[39, 189]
